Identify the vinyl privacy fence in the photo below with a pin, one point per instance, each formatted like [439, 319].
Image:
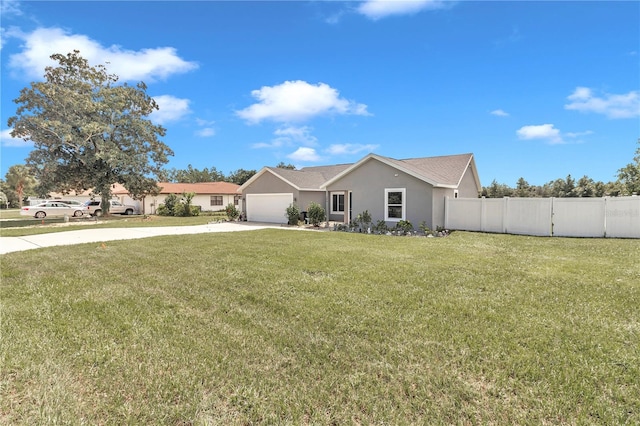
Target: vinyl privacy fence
[617, 217]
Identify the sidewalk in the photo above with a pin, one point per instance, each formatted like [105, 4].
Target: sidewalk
[81, 236]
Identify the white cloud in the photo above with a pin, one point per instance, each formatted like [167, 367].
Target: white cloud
[350, 148]
[129, 65]
[296, 101]
[206, 128]
[304, 154]
[297, 134]
[288, 136]
[499, 113]
[612, 106]
[206, 132]
[10, 7]
[543, 131]
[378, 9]
[171, 109]
[8, 141]
[578, 134]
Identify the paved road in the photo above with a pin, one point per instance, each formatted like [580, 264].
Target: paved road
[81, 236]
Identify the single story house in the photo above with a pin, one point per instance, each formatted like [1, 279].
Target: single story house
[391, 190]
[210, 196]
[118, 192]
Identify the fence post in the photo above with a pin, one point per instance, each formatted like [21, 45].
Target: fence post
[483, 215]
[446, 212]
[551, 213]
[505, 213]
[605, 216]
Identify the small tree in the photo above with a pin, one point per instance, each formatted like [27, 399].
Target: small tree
[21, 181]
[316, 214]
[293, 214]
[186, 203]
[232, 212]
[364, 220]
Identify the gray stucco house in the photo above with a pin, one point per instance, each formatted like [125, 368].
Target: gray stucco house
[391, 190]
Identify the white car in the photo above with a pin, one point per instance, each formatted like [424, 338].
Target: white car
[70, 202]
[51, 208]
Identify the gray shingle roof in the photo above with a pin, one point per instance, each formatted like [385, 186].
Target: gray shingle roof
[309, 177]
[443, 170]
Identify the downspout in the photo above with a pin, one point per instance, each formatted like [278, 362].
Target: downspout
[326, 206]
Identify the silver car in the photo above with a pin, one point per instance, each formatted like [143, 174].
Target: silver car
[51, 208]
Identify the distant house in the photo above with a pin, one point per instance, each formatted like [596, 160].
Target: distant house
[210, 196]
[118, 192]
[390, 190]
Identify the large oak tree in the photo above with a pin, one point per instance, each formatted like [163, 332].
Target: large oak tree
[88, 131]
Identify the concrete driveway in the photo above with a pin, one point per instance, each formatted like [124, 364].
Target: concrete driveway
[81, 236]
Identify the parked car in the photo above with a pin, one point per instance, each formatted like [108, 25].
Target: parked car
[52, 208]
[69, 202]
[94, 208]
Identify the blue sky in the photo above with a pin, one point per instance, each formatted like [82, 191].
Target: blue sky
[534, 89]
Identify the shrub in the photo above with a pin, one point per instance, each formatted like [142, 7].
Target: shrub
[186, 199]
[424, 228]
[380, 227]
[315, 213]
[364, 220]
[178, 206]
[232, 212]
[293, 214]
[169, 206]
[404, 226]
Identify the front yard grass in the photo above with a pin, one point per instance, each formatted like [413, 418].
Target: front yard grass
[30, 226]
[287, 327]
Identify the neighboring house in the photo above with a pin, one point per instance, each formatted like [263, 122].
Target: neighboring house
[118, 192]
[210, 196]
[389, 189]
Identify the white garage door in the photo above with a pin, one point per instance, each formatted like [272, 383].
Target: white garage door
[268, 207]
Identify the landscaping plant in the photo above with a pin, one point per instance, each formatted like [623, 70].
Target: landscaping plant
[316, 214]
[293, 214]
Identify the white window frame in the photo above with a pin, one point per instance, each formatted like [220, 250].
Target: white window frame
[403, 205]
[334, 208]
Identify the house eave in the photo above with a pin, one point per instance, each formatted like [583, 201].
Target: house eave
[388, 163]
[260, 173]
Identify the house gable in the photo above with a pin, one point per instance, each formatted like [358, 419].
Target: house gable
[440, 172]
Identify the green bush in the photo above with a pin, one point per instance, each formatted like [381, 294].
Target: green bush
[293, 214]
[404, 226]
[316, 214]
[169, 206]
[178, 206]
[232, 212]
[363, 220]
[380, 227]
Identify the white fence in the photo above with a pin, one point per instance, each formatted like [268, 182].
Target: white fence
[617, 217]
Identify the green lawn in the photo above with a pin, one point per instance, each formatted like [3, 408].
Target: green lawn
[22, 226]
[286, 327]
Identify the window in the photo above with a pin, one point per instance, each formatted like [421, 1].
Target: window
[395, 204]
[216, 200]
[337, 203]
[236, 200]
